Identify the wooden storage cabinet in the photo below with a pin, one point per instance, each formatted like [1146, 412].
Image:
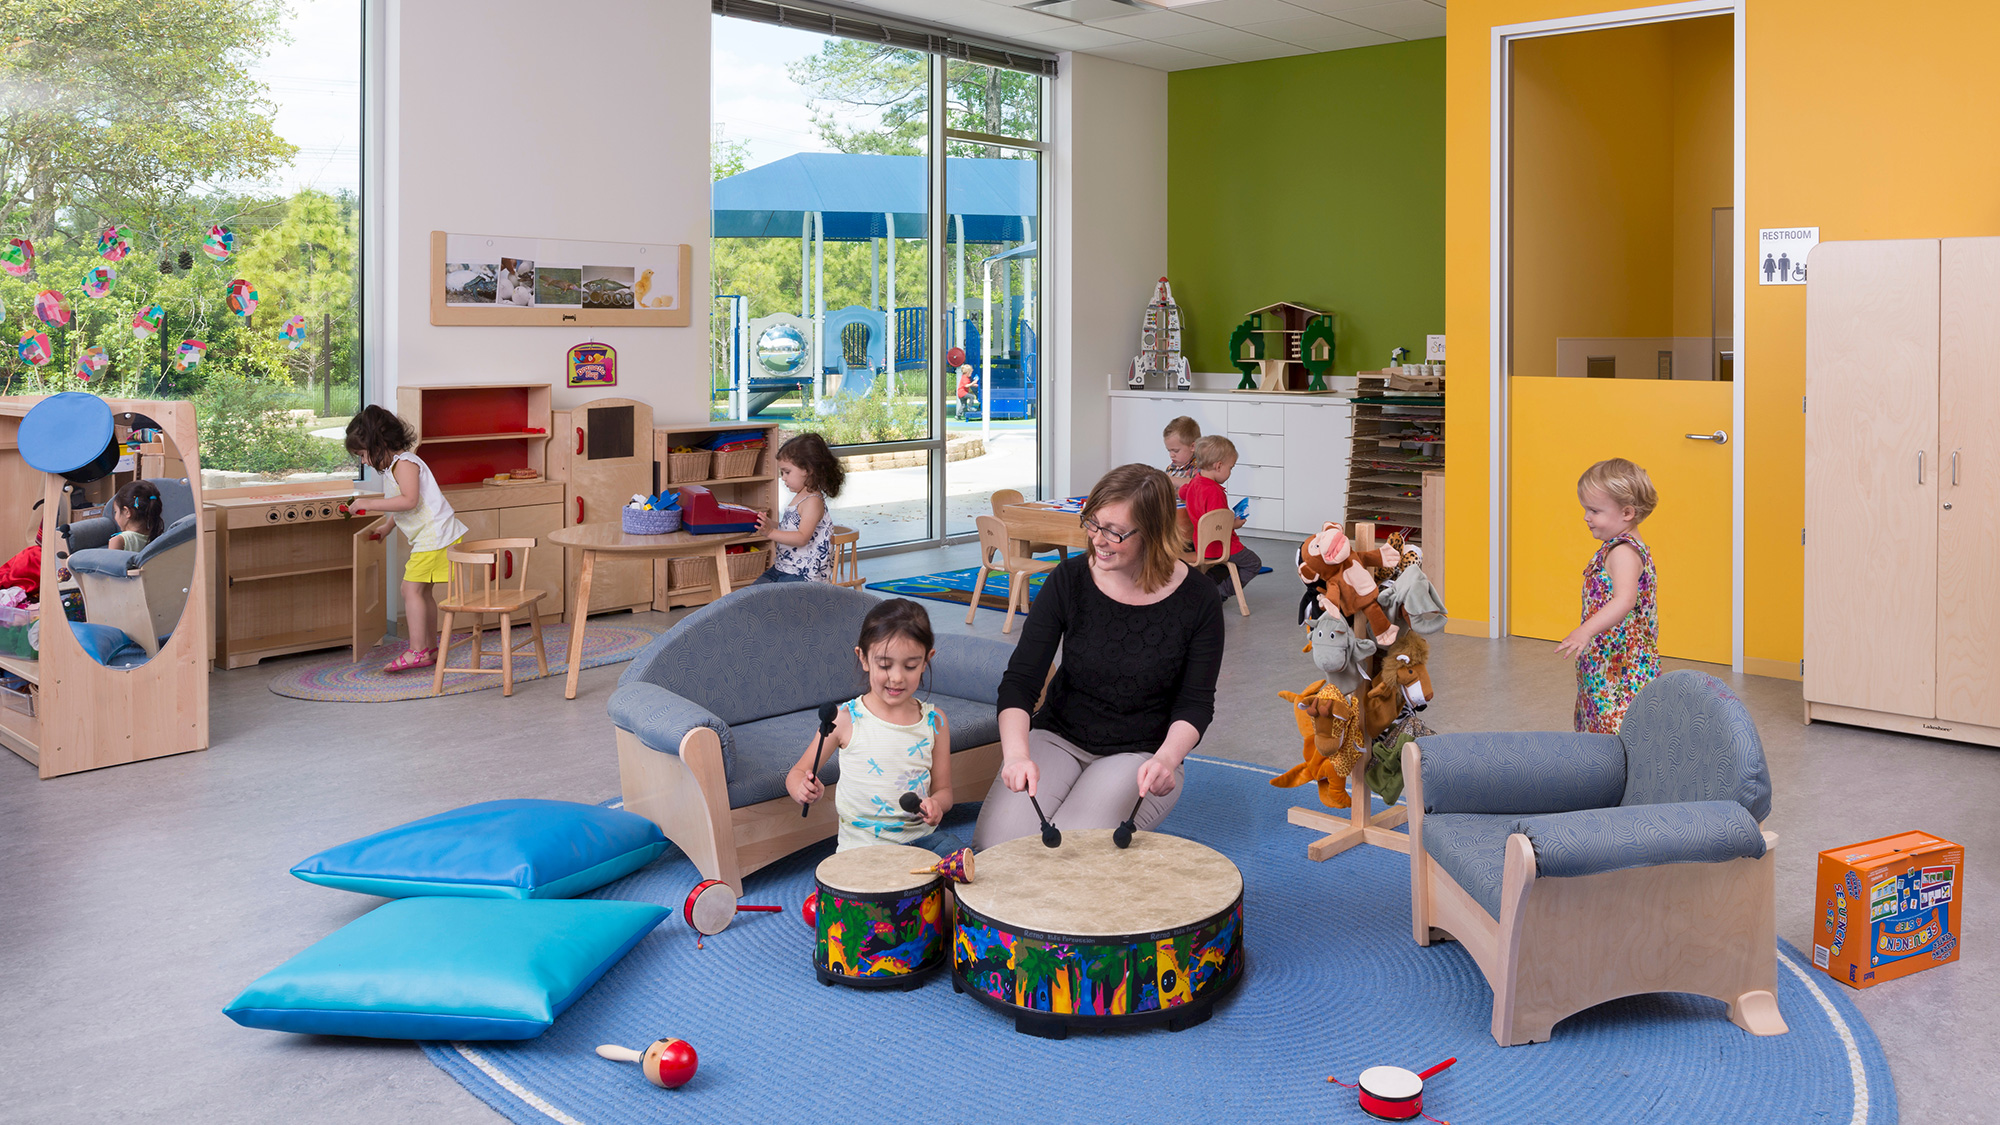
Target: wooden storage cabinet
[603, 454]
[292, 574]
[1291, 450]
[1398, 437]
[1903, 454]
[690, 582]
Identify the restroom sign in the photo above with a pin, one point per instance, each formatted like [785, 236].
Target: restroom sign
[1781, 254]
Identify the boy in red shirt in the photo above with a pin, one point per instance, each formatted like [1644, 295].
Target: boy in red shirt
[1214, 457]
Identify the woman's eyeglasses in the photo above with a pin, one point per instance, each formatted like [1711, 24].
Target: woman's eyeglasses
[1092, 527]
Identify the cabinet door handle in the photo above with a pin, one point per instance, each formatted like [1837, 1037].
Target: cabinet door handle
[1954, 468]
[579, 440]
[510, 565]
[579, 509]
[1920, 466]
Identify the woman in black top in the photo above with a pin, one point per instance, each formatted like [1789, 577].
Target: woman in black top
[1141, 644]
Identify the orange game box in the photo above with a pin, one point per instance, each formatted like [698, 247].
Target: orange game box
[1888, 907]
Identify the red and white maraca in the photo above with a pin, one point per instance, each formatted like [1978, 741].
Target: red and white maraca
[668, 1063]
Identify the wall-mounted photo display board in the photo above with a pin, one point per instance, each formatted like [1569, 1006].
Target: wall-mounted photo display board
[505, 279]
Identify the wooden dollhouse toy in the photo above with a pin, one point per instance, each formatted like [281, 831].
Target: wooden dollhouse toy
[1160, 344]
[1270, 347]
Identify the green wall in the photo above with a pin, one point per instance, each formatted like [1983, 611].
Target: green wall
[1317, 179]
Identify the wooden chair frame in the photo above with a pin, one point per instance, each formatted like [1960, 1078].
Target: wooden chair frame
[846, 558]
[994, 543]
[687, 795]
[1214, 528]
[1563, 945]
[474, 563]
[1007, 497]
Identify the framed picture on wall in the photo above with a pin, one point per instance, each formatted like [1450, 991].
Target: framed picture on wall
[503, 279]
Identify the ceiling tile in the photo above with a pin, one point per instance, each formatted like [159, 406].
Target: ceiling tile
[1077, 39]
[1159, 56]
[1152, 25]
[1334, 7]
[995, 19]
[1300, 27]
[1348, 36]
[1237, 13]
[1409, 19]
[1229, 43]
[1086, 9]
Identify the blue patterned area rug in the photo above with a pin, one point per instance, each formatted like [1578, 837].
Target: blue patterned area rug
[955, 586]
[1332, 985]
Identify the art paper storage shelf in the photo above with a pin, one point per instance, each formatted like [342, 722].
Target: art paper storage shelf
[1399, 437]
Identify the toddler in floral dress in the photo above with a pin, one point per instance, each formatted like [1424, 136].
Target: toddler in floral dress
[1617, 647]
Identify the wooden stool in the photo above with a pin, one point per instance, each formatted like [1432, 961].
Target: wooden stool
[846, 564]
[477, 588]
[1213, 531]
[994, 554]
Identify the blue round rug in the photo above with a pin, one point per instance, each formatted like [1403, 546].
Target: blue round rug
[1332, 985]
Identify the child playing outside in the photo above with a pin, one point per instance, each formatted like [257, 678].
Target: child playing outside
[1180, 436]
[890, 743]
[423, 515]
[803, 539]
[1214, 457]
[136, 510]
[1617, 646]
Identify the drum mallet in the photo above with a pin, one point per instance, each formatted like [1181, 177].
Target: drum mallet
[911, 803]
[1051, 835]
[1122, 835]
[826, 713]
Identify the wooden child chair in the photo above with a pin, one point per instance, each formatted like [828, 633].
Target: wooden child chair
[996, 554]
[1008, 496]
[1213, 531]
[479, 587]
[846, 562]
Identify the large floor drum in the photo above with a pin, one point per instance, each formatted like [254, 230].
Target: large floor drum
[880, 925]
[1089, 935]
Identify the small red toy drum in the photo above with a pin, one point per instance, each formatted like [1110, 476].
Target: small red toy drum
[880, 924]
[1394, 1094]
[711, 906]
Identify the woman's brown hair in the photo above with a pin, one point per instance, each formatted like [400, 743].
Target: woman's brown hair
[1152, 498]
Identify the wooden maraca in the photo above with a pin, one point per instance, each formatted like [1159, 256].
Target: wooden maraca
[957, 867]
[668, 1063]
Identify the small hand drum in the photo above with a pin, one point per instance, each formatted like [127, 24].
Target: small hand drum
[881, 924]
[711, 906]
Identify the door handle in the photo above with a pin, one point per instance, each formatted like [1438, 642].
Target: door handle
[579, 440]
[1718, 437]
[510, 565]
[579, 509]
[1954, 468]
[1920, 466]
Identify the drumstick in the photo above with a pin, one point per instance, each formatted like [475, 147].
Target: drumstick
[826, 713]
[1122, 835]
[1051, 835]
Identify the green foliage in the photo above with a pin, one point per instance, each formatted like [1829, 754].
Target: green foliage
[869, 97]
[854, 420]
[244, 428]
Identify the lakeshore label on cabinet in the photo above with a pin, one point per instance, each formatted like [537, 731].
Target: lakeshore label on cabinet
[1903, 455]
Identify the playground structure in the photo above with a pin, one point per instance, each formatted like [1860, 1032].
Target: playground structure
[857, 350]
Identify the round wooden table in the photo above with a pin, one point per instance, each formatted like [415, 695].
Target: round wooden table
[591, 539]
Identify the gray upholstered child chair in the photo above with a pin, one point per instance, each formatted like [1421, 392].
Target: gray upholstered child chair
[1578, 868]
[712, 715]
[140, 592]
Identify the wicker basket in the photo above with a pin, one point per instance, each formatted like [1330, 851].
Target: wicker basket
[689, 573]
[737, 462]
[684, 467]
[744, 568]
[638, 521]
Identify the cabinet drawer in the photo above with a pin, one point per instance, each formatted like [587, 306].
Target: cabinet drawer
[1257, 417]
[1259, 449]
[1257, 480]
[1265, 515]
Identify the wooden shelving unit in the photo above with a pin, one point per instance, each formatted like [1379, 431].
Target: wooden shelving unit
[756, 490]
[1398, 438]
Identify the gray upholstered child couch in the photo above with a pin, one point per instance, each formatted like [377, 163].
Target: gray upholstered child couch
[712, 715]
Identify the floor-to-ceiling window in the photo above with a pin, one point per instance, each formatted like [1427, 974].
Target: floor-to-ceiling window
[180, 217]
[863, 242]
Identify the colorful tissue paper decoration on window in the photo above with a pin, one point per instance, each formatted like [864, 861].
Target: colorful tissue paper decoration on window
[242, 299]
[294, 332]
[18, 257]
[218, 244]
[188, 356]
[98, 280]
[34, 347]
[92, 363]
[114, 243]
[53, 308]
[148, 322]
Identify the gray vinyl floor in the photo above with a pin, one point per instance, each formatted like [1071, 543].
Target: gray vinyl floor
[136, 901]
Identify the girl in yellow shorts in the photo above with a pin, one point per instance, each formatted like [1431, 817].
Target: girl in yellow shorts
[423, 515]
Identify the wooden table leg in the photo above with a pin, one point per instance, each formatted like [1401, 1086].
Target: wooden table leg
[577, 617]
[722, 571]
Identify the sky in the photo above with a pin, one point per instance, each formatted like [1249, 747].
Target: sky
[315, 80]
[753, 99]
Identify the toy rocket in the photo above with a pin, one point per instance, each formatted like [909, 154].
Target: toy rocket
[1160, 344]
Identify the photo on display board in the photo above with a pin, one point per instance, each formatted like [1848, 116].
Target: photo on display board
[558, 285]
[652, 293]
[607, 287]
[516, 283]
[470, 283]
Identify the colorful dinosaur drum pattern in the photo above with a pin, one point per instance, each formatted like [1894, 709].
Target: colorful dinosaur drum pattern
[880, 925]
[1091, 935]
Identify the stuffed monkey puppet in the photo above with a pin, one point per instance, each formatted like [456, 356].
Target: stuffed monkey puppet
[1349, 587]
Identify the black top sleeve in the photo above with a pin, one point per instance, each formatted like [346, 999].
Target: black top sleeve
[1128, 673]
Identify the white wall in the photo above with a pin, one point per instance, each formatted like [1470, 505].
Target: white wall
[520, 117]
[1109, 128]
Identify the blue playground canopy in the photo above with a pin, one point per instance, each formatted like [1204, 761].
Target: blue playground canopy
[856, 191]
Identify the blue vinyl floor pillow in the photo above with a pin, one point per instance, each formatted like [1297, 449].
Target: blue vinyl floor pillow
[447, 968]
[495, 849]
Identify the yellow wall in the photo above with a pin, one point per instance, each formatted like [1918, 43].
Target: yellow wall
[1864, 121]
[1704, 159]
